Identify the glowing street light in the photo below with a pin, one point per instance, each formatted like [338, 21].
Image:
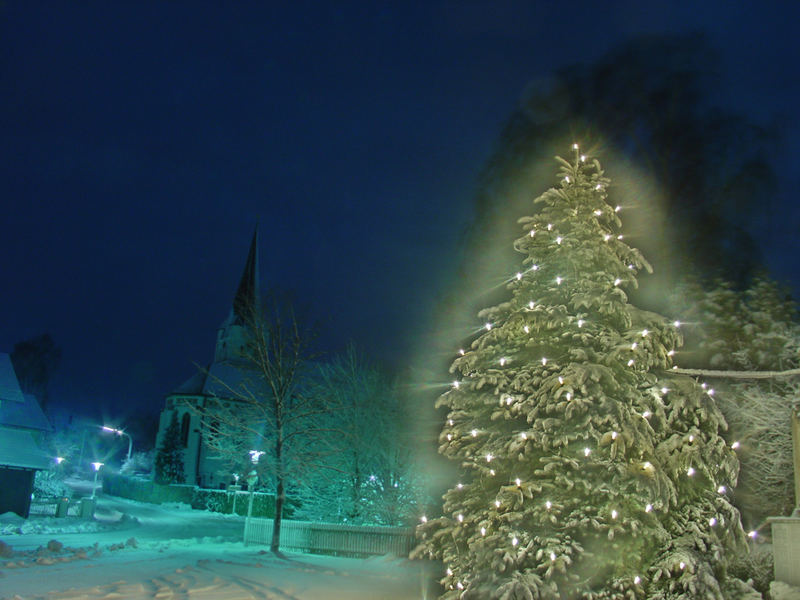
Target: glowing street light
[120, 432]
[255, 455]
[96, 466]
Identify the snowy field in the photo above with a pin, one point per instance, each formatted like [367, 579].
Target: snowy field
[137, 550]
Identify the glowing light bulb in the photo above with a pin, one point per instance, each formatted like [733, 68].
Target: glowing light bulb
[647, 465]
[459, 485]
[534, 267]
[690, 471]
[704, 385]
[646, 414]
[424, 519]
[461, 351]
[598, 187]
[671, 353]
[606, 237]
[630, 362]
[614, 514]
[559, 280]
[544, 361]
[488, 326]
[449, 571]
[614, 435]
[566, 178]
[634, 345]
[460, 585]
[523, 435]
[548, 505]
[722, 489]
[502, 362]
[619, 237]
[508, 400]
[514, 541]
[598, 212]
[691, 439]
[637, 580]
[552, 556]
[583, 158]
[559, 239]
[574, 146]
[648, 508]
[474, 433]
[581, 322]
[519, 276]
[533, 233]
[664, 390]
[569, 396]
[586, 451]
[560, 380]
[526, 329]
[449, 437]
[631, 267]
[617, 208]
[645, 332]
[617, 281]
[682, 565]
[489, 457]
[450, 421]
[491, 472]
[531, 304]
[753, 534]
[676, 323]
[549, 227]
[460, 518]
[711, 392]
[497, 503]
[455, 384]
[735, 445]
[483, 530]
[518, 481]
[712, 521]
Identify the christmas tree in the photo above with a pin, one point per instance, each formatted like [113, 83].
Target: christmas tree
[169, 458]
[588, 469]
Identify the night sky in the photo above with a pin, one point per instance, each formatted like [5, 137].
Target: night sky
[140, 143]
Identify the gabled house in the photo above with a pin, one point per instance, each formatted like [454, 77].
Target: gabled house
[22, 425]
[201, 467]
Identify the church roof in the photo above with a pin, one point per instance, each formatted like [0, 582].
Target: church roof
[218, 379]
[9, 385]
[247, 292]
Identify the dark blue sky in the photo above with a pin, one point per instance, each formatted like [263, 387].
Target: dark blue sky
[141, 142]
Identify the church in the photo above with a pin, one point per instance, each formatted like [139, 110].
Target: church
[201, 467]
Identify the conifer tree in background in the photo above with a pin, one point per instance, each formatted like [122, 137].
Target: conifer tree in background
[169, 457]
[587, 468]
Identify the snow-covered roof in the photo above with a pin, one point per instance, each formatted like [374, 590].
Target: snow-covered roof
[9, 385]
[27, 414]
[19, 449]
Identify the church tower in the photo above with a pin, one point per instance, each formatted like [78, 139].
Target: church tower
[200, 466]
[231, 333]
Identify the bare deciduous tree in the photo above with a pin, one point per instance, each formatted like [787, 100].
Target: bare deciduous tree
[268, 406]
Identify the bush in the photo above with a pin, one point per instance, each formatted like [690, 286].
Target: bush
[50, 484]
[140, 463]
[756, 566]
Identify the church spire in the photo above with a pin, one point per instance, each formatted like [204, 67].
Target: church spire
[232, 333]
[247, 293]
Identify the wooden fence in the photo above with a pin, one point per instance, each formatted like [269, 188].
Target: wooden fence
[332, 538]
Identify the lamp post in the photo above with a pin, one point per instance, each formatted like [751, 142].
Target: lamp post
[120, 432]
[96, 466]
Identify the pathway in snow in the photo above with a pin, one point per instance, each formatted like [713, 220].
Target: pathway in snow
[179, 553]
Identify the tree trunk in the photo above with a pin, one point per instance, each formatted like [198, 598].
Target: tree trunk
[276, 521]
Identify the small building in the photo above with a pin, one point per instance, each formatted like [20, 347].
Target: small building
[201, 467]
[22, 426]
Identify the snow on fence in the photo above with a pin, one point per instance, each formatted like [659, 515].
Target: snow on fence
[332, 538]
[55, 507]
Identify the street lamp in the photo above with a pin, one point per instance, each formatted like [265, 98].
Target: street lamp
[96, 466]
[120, 432]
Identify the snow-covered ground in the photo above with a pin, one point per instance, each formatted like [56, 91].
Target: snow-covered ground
[138, 550]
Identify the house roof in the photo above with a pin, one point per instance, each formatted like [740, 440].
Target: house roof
[9, 385]
[19, 449]
[218, 379]
[27, 414]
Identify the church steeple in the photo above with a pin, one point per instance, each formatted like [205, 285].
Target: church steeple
[247, 293]
[231, 334]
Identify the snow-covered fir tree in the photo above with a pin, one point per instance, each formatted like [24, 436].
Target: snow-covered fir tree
[169, 457]
[588, 469]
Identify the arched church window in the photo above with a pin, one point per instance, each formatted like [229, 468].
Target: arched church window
[185, 429]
